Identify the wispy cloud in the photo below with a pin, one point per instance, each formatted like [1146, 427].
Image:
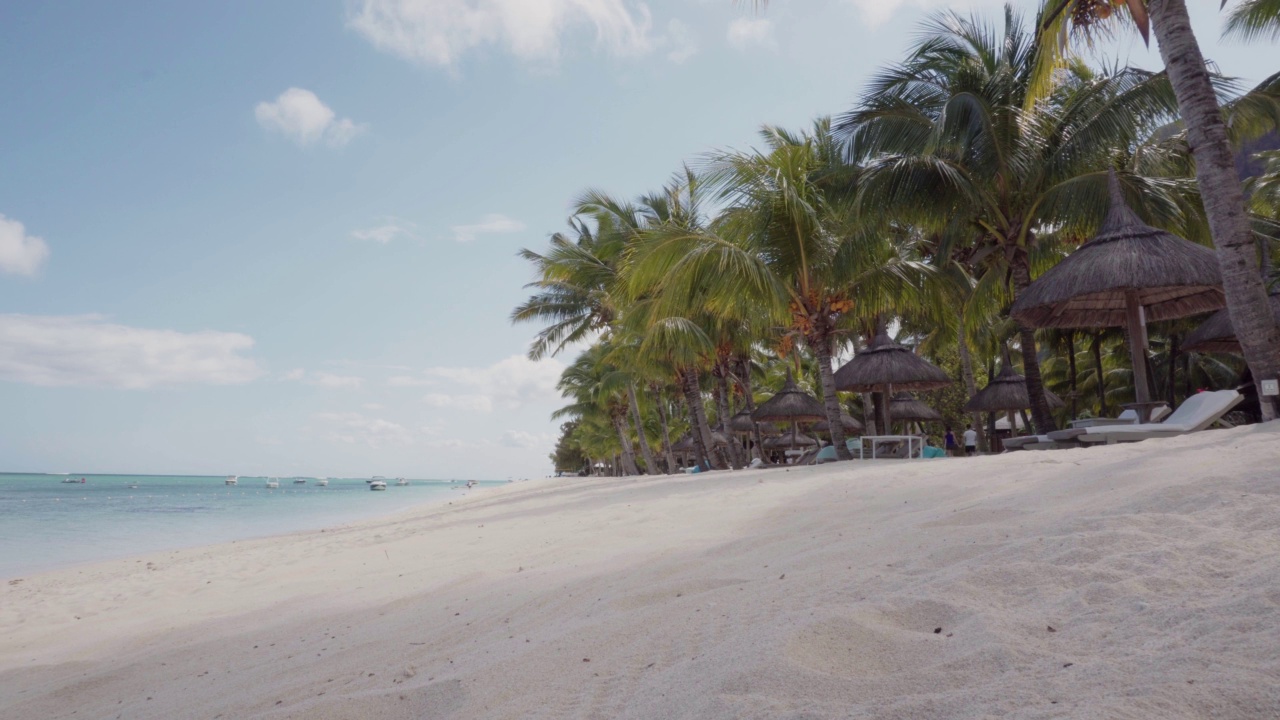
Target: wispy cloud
[525, 440]
[319, 378]
[507, 384]
[389, 230]
[440, 32]
[679, 42]
[878, 12]
[489, 225]
[300, 116]
[357, 429]
[746, 33]
[86, 350]
[20, 253]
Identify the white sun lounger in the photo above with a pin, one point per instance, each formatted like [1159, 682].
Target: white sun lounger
[1197, 413]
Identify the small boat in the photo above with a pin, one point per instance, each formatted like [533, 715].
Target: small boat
[134, 486]
[401, 482]
[322, 483]
[299, 481]
[272, 484]
[377, 484]
[471, 483]
[81, 481]
[232, 480]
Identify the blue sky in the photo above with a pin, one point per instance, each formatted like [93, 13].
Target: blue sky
[279, 238]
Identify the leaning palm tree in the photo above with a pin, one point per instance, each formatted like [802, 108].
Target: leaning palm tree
[1207, 134]
[950, 145]
[597, 390]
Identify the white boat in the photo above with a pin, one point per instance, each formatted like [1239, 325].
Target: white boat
[322, 483]
[73, 480]
[272, 484]
[377, 484]
[401, 482]
[471, 483]
[232, 480]
[299, 481]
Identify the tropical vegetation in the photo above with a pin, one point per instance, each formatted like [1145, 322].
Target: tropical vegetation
[963, 172]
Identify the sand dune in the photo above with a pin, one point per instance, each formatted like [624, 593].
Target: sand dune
[1137, 581]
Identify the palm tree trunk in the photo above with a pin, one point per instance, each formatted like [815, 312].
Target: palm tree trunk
[702, 439]
[745, 378]
[869, 413]
[628, 453]
[970, 382]
[1102, 378]
[666, 431]
[1071, 365]
[1247, 303]
[1173, 368]
[1040, 412]
[650, 465]
[722, 408]
[822, 349]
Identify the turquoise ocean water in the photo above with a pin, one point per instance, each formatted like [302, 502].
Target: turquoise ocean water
[47, 524]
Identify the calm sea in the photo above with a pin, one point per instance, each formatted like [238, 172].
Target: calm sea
[46, 524]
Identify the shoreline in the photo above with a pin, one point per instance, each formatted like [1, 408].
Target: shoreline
[778, 593]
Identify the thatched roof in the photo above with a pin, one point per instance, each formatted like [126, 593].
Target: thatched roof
[791, 404]
[885, 362]
[743, 424]
[905, 407]
[685, 443]
[1217, 334]
[847, 421]
[787, 440]
[1171, 277]
[1008, 391]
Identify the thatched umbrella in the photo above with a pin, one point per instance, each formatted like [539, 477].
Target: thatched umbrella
[1217, 334]
[905, 407]
[790, 405]
[1007, 392]
[885, 365]
[847, 421]
[742, 424]
[1127, 274]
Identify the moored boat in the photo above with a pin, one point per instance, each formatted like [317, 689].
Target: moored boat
[401, 482]
[322, 483]
[273, 484]
[377, 484]
[232, 480]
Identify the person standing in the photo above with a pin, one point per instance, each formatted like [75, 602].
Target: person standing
[970, 441]
[949, 440]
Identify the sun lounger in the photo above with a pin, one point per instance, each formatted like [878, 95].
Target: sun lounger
[1070, 437]
[1197, 413]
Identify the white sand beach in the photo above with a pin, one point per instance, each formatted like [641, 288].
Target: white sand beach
[1137, 581]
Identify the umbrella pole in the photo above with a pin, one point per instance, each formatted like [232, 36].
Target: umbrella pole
[1137, 345]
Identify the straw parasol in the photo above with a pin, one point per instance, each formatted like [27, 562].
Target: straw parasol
[905, 407]
[885, 363]
[791, 405]
[1127, 274]
[1217, 334]
[1007, 392]
[847, 421]
[742, 424]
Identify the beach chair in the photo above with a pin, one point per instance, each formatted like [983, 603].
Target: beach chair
[1197, 413]
[1070, 437]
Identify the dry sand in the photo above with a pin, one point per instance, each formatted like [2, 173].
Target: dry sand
[1138, 581]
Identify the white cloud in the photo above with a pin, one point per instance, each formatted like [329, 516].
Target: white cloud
[878, 12]
[86, 350]
[474, 403]
[488, 225]
[391, 229]
[319, 378]
[301, 117]
[507, 384]
[439, 32]
[679, 42]
[20, 253]
[358, 429]
[745, 33]
[525, 440]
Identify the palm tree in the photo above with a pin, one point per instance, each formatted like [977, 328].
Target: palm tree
[950, 145]
[1254, 19]
[1207, 135]
[786, 248]
[598, 390]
